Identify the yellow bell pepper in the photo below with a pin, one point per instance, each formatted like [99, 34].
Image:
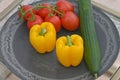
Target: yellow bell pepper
[43, 37]
[69, 50]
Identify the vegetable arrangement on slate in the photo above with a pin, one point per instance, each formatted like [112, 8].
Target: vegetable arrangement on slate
[44, 22]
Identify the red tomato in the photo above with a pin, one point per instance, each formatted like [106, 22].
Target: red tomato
[44, 11]
[55, 20]
[25, 8]
[37, 20]
[64, 6]
[70, 21]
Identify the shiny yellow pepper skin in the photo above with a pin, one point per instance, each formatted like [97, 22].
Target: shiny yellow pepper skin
[69, 50]
[43, 37]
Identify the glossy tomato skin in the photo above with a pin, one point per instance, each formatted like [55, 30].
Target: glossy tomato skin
[37, 20]
[43, 12]
[70, 21]
[55, 20]
[64, 6]
[28, 14]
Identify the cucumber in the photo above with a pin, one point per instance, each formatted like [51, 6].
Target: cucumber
[92, 53]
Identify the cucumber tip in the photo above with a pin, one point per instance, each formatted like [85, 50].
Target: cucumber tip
[95, 75]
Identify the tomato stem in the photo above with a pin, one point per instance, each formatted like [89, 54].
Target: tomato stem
[21, 12]
[24, 13]
[33, 16]
[57, 12]
[50, 14]
[43, 31]
[69, 42]
[50, 8]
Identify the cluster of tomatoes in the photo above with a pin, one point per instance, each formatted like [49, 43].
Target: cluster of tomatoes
[60, 14]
